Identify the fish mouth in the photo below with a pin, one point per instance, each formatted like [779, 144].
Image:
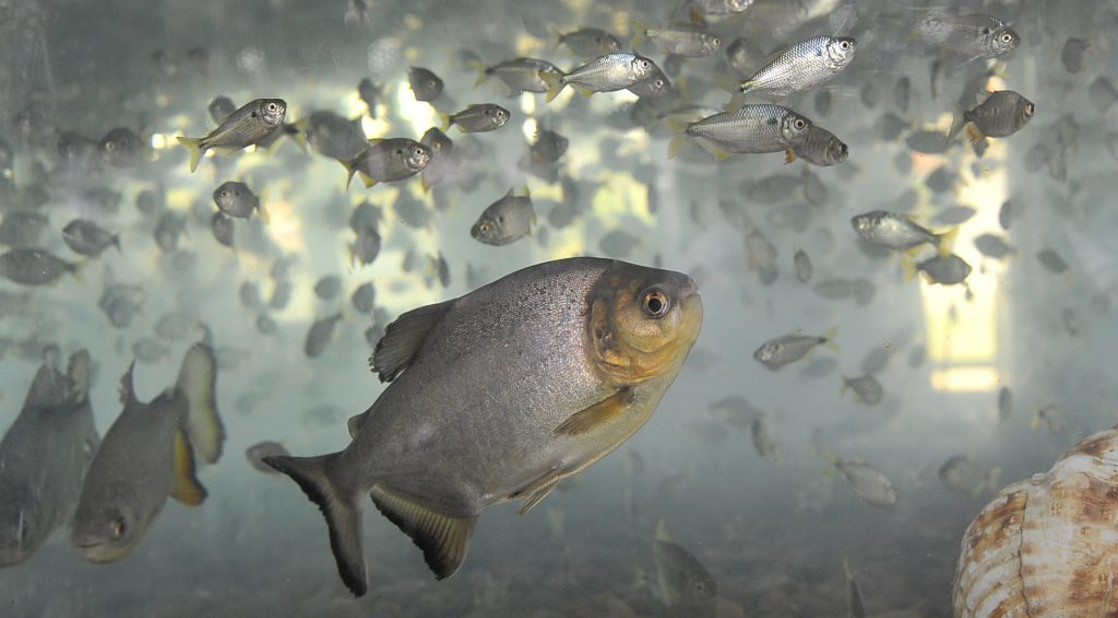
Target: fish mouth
[96, 550]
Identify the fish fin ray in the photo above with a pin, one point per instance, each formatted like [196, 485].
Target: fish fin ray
[554, 83]
[342, 513]
[402, 339]
[537, 496]
[196, 150]
[187, 489]
[127, 389]
[597, 415]
[443, 539]
[196, 382]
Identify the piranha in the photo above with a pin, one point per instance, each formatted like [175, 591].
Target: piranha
[499, 395]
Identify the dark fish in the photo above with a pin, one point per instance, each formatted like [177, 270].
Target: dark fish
[221, 226]
[333, 136]
[685, 584]
[587, 42]
[478, 118]
[866, 389]
[328, 287]
[441, 164]
[364, 297]
[320, 334]
[1002, 114]
[237, 200]
[992, 245]
[1052, 261]
[371, 94]
[505, 221]
[1072, 54]
[424, 84]
[121, 147]
[34, 266]
[87, 238]
[22, 229]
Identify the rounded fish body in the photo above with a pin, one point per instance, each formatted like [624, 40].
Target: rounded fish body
[752, 129]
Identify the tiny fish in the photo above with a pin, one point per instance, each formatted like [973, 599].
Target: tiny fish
[328, 287]
[505, 221]
[963, 476]
[608, 73]
[370, 94]
[257, 452]
[365, 247]
[1072, 54]
[896, 231]
[780, 351]
[588, 42]
[248, 125]
[865, 482]
[684, 583]
[1050, 260]
[803, 266]
[974, 36]
[993, 246]
[760, 255]
[388, 160]
[755, 128]
[332, 135]
[1002, 114]
[687, 40]
[548, 146]
[21, 229]
[902, 92]
[34, 266]
[87, 238]
[927, 142]
[424, 84]
[265, 325]
[320, 334]
[763, 442]
[121, 147]
[236, 200]
[947, 269]
[220, 108]
[221, 226]
[819, 146]
[364, 297]
[866, 388]
[802, 66]
[1005, 403]
[1054, 419]
[1102, 93]
[518, 74]
[478, 118]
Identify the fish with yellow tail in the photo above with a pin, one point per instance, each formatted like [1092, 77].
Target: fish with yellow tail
[248, 125]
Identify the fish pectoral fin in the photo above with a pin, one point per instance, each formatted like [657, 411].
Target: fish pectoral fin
[196, 382]
[442, 538]
[597, 415]
[402, 338]
[537, 491]
[187, 489]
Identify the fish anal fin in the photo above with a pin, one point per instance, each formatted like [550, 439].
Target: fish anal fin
[197, 381]
[187, 489]
[443, 539]
[535, 493]
[789, 156]
[368, 180]
[402, 338]
[597, 415]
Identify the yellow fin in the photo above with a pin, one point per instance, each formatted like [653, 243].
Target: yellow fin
[482, 74]
[830, 338]
[187, 489]
[443, 539]
[366, 179]
[729, 84]
[534, 498]
[597, 415]
[349, 170]
[639, 34]
[974, 134]
[554, 83]
[947, 241]
[789, 155]
[196, 382]
[662, 532]
[909, 266]
[676, 145]
[675, 125]
[444, 119]
[586, 94]
[1033, 424]
[196, 150]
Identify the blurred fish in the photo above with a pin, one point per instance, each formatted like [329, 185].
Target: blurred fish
[735, 410]
[972, 36]
[236, 200]
[760, 255]
[168, 230]
[1049, 259]
[121, 302]
[619, 243]
[1102, 93]
[1072, 54]
[548, 146]
[654, 87]
[121, 147]
[328, 287]
[388, 160]
[763, 442]
[518, 75]
[220, 108]
[424, 84]
[752, 129]
[246, 126]
[370, 94]
[864, 481]
[44, 456]
[1005, 403]
[870, 94]
[819, 146]
[364, 297]
[834, 289]
[1054, 419]
[898, 232]
[365, 247]
[803, 266]
[744, 56]
[684, 583]
[221, 226]
[876, 358]
[889, 126]
[927, 142]
[505, 221]
[440, 165]
[320, 334]
[802, 66]
[22, 229]
[477, 118]
[855, 607]
[608, 73]
[916, 356]
[1071, 322]
[993, 246]
[720, 8]
[587, 42]
[148, 350]
[148, 454]
[947, 269]
[775, 188]
[175, 325]
[249, 294]
[265, 325]
[621, 339]
[34, 266]
[963, 476]
[866, 389]
[687, 40]
[1002, 114]
[87, 238]
[437, 270]
[356, 13]
[332, 135]
[953, 215]
[902, 93]
[780, 351]
[257, 452]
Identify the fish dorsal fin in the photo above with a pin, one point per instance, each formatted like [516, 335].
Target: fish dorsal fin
[127, 390]
[443, 539]
[355, 423]
[402, 339]
[187, 489]
[597, 415]
[196, 382]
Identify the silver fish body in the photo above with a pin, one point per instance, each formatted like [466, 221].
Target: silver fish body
[236, 199]
[505, 221]
[755, 128]
[588, 42]
[519, 74]
[248, 125]
[945, 269]
[685, 584]
[976, 35]
[478, 118]
[388, 160]
[608, 73]
[686, 40]
[867, 483]
[552, 385]
[802, 66]
[892, 230]
[425, 84]
[780, 351]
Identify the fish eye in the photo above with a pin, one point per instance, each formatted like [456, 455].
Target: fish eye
[655, 303]
[845, 44]
[110, 146]
[484, 227]
[645, 63]
[1007, 37]
[224, 194]
[118, 528]
[271, 107]
[799, 124]
[1029, 109]
[399, 151]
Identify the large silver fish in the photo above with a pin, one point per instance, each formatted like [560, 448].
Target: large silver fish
[147, 455]
[751, 129]
[804, 65]
[608, 73]
[44, 456]
[248, 125]
[498, 395]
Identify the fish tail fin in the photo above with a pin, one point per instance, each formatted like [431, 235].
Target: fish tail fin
[829, 338]
[946, 241]
[366, 179]
[832, 464]
[1035, 422]
[729, 84]
[187, 489]
[444, 539]
[194, 144]
[992, 481]
[482, 72]
[300, 138]
[909, 266]
[790, 155]
[676, 145]
[342, 513]
[639, 34]
[444, 120]
[676, 125]
[196, 382]
[958, 121]
[554, 83]
[350, 169]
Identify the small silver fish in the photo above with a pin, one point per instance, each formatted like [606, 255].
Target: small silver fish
[608, 73]
[687, 40]
[895, 231]
[947, 269]
[803, 266]
[786, 349]
[320, 334]
[248, 125]
[684, 583]
[973, 36]
[518, 74]
[1002, 114]
[388, 160]
[548, 146]
[866, 388]
[505, 221]
[236, 200]
[441, 164]
[802, 66]
[758, 128]
[257, 452]
[865, 482]
[589, 42]
[819, 146]
[424, 84]
[34, 266]
[87, 238]
[478, 118]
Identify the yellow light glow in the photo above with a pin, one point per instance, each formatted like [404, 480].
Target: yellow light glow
[159, 141]
[528, 103]
[419, 115]
[529, 129]
[965, 379]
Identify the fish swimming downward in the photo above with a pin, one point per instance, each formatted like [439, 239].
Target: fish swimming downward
[498, 395]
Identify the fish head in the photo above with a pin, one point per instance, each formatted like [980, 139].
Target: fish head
[737, 6]
[642, 322]
[415, 155]
[489, 229]
[840, 50]
[864, 224]
[1001, 41]
[1025, 111]
[272, 111]
[768, 352]
[711, 43]
[108, 523]
[21, 525]
[641, 67]
[496, 115]
[835, 151]
[227, 195]
[794, 127]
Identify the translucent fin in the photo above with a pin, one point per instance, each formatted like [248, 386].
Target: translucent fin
[639, 34]
[728, 83]
[366, 179]
[402, 338]
[676, 145]
[342, 513]
[536, 497]
[187, 489]
[554, 83]
[602, 413]
[789, 156]
[909, 266]
[829, 337]
[482, 73]
[444, 540]
[355, 423]
[662, 532]
[958, 121]
[946, 241]
[974, 134]
[586, 94]
[350, 171]
[444, 121]
[196, 382]
[196, 150]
